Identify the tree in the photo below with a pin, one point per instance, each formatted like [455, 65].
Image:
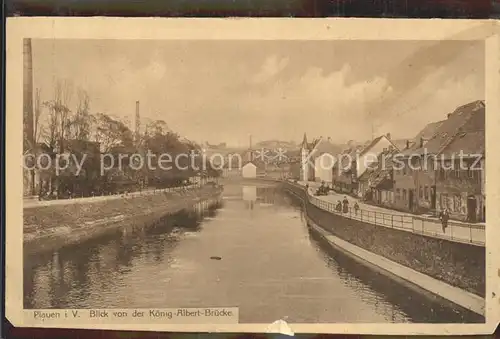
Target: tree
[82, 122]
[59, 119]
[156, 127]
[111, 133]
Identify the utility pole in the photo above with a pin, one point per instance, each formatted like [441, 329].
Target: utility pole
[137, 123]
[373, 127]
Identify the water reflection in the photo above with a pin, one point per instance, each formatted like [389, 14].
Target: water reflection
[390, 297]
[66, 278]
[249, 196]
[271, 266]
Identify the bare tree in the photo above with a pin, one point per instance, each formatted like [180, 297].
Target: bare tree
[58, 121]
[82, 121]
[59, 113]
[37, 128]
[52, 125]
[64, 89]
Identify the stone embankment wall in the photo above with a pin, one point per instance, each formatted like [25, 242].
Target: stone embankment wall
[458, 264]
[51, 227]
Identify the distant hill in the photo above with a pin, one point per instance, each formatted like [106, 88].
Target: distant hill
[221, 145]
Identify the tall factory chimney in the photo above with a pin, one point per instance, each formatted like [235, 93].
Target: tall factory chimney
[28, 124]
[250, 149]
[137, 122]
[27, 95]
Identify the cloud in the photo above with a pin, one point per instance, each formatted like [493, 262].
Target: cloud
[226, 96]
[431, 101]
[271, 67]
[324, 103]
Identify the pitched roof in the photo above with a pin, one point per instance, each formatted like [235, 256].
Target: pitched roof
[400, 143]
[369, 172]
[382, 166]
[304, 142]
[456, 122]
[382, 180]
[84, 146]
[346, 158]
[468, 117]
[371, 144]
[469, 143]
[325, 146]
[426, 133]
[314, 143]
[257, 163]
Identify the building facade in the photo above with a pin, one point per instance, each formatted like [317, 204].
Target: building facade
[249, 170]
[414, 174]
[435, 171]
[306, 164]
[343, 171]
[318, 159]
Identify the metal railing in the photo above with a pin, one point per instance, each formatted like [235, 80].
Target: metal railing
[455, 231]
[155, 191]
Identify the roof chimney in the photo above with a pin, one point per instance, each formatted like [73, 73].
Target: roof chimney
[421, 142]
[407, 144]
[449, 115]
[388, 136]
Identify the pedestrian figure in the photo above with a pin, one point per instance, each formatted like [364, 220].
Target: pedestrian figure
[339, 206]
[444, 216]
[356, 208]
[345, 203]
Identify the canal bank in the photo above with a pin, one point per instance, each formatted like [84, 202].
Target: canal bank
[252, 249]
[47, 228]
[454, 273]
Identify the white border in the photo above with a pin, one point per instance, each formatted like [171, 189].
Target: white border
[249, 29]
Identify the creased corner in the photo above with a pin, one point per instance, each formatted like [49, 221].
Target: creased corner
[280, 326]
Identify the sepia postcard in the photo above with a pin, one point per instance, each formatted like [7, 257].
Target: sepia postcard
[253, 175]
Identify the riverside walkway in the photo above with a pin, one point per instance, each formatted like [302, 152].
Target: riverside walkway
[34, 202]
[456, 231]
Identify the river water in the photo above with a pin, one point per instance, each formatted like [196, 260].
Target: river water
[249, 248]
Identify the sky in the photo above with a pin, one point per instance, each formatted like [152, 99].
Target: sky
[225, 91]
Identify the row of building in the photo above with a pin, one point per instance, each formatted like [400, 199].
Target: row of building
[441, 167]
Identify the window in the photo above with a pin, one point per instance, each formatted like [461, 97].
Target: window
[398, 193]
[420, 192]
[426, 193]
[442, 174]
[404, 194]
[444, 201]
[457, 203]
